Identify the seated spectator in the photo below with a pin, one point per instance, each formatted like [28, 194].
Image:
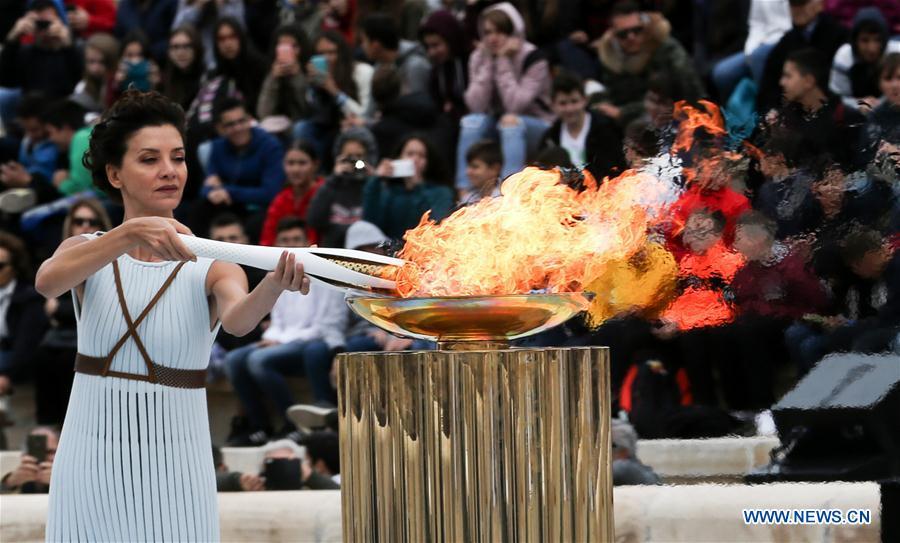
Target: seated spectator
[883, 124]
[323, 453]
[639, 144]
[51, 64]
[238, 61]
[283, 92]
[244, 172]
[379, 39]
[444, 40]
[337, 96]
[400, 114]
[483, 162]
[32, 475]
[101, 59]
[592, 140]
[768, 21]
[637, 45]
[508, 92]
[787, 196]
[310, 478]
[54, 358]
[305, 333]
[626, 468]
[202, 16]
[234, 481]
[22, 318]
[135, 69]
[772, 290]
[844, 11]
[811, 29]
[854, 70]
[395, 202]
[184, 67]
[814, 115]
[153, 18]
[37, 154]
[89, 17]
[301, 166]
[64, 121]
[339, 201]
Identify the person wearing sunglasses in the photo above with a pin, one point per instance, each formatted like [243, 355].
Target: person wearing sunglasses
[636, 46]
[54, 359]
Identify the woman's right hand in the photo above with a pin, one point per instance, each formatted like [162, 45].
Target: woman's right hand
[159, 236]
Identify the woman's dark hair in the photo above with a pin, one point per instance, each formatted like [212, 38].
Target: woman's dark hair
[889, 64]
[434, 169]
[109, 140]
[182, 85]
[295, 31]
[500, 20]
[248, 70]
[18, 255]
[343, 67]
[304, 146]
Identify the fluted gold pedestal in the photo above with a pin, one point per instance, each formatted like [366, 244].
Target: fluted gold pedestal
[476, 445]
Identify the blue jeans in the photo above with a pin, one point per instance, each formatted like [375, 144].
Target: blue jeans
[515, 141]
[730, 70]
[255, 372]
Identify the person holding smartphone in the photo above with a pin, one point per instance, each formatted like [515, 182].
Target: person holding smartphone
[283, 92]
[406, 188]
[32, 475]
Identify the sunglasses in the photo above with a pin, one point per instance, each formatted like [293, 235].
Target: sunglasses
[627, 32]
[76, 221]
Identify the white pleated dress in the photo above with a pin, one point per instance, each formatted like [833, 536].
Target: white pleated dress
[134, 461]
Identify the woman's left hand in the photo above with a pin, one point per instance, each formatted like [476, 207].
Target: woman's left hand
[288, 274]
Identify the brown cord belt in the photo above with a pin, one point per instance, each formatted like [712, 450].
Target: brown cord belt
[162, 375]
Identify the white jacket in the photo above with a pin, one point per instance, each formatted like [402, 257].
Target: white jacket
[321, 314]
[839, 82]
[768, 21]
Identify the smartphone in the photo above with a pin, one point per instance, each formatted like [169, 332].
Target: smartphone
[284, 53]
[403, 167]
[36, 446]
[320, 63]
[282, 473]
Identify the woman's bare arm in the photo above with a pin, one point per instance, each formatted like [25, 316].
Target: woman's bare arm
[77, 258]
[239, 311]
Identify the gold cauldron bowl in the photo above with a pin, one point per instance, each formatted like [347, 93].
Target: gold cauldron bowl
[453, 320]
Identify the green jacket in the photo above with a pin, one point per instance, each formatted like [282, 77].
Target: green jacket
[388, 205]
[79, 179]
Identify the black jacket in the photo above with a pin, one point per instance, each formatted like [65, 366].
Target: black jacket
[336, 205]
[55, 72]
[413, 112]
[603, 146]
[26, 323]
[826, 37]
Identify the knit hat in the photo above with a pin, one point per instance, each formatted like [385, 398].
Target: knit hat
[362, 135]
[362, 233]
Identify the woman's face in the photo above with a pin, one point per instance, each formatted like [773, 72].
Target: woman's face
[94, 65]
[416, 151]
[329, 50]
[133, 53]
[181, 50]
[289, 43]
[890, 87]
[299, 168]
[492, 38]
[228, 42]
[7, 273]
[437, 49]
[153, 171]
[84, 221]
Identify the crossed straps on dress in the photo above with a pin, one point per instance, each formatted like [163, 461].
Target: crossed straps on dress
[163, 375]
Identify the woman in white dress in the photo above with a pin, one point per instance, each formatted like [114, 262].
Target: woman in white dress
[134, 461]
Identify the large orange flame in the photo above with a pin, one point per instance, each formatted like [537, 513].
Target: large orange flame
[544, 235]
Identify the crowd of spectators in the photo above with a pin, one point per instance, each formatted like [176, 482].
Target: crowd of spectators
[341, 122]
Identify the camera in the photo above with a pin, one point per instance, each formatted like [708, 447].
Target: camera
[42, 24]
[357, 170]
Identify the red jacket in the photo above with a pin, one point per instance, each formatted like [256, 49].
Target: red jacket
[285, 205]
[101, 15]
[726, 200]
[784, 289]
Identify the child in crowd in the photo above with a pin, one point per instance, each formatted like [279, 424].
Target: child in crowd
[301, 164]
[484, 161]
